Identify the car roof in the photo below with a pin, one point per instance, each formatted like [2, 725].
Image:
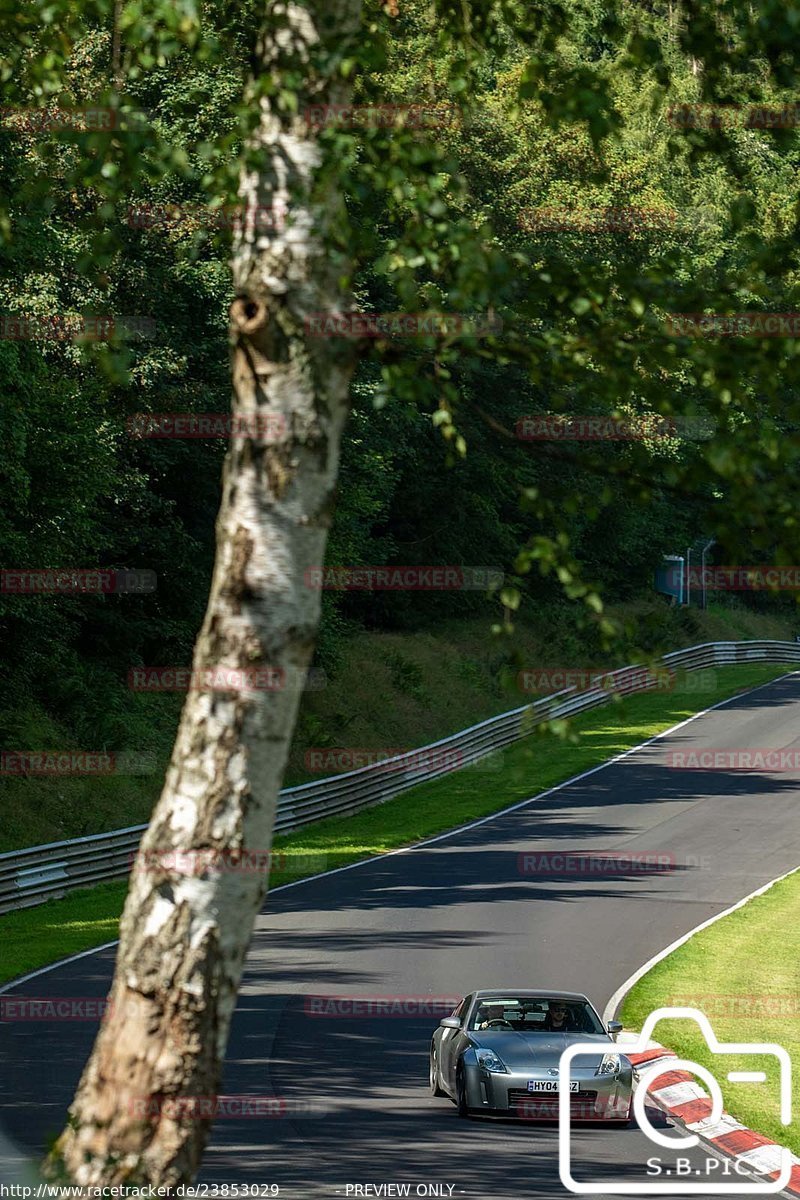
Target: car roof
[530, 993]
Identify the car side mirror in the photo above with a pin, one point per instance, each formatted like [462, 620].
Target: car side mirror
[450, 1023]
[614, 1028]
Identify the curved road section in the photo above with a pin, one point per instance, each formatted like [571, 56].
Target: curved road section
[338, 1089]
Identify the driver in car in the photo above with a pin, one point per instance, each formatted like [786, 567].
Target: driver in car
[559, 1019]
[492, 1013]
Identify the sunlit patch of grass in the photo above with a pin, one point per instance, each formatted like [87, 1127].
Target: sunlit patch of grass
[36, 936]
[743, 972]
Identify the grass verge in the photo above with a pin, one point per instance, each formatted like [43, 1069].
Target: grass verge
[743, 973]
[41, 935]
[430, 681]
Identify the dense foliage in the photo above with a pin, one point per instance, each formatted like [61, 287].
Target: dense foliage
[560, 109]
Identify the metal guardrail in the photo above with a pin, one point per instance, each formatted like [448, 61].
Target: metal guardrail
[40, 873]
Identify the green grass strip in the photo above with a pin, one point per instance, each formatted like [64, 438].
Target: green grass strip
[48, 932]
[743, 972]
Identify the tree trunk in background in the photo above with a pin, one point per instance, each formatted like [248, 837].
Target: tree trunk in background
[184, 936]
[116, 44]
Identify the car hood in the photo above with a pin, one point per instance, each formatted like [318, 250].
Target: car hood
[539, 1051]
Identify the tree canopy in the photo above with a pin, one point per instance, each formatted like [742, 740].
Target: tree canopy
[542, 126]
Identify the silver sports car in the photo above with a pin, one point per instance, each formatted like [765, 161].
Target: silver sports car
[498, 1055]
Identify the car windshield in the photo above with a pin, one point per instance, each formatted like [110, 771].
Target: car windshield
[535, 1015]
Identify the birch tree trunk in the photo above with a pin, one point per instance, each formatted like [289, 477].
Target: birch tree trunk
[184, 936]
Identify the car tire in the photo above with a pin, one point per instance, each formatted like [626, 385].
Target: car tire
[433, 1076]
[461, 1092]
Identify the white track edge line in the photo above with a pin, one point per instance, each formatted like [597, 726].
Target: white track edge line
[621, 992]
[362, 862]
[61, 962]
[721, 1154]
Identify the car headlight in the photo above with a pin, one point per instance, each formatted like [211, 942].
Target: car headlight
[490, 1062]
[611, 1065]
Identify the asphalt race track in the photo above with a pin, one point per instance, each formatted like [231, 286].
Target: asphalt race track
[439, 921]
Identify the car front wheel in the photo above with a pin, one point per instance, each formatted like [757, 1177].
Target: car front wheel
[461, 1092]
[433, 1076]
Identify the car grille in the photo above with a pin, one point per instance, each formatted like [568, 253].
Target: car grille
[522, 1095]
[543, 1106]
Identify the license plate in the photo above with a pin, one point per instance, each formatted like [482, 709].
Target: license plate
[550, 1085]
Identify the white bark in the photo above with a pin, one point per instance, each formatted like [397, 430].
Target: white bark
[183, 939]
